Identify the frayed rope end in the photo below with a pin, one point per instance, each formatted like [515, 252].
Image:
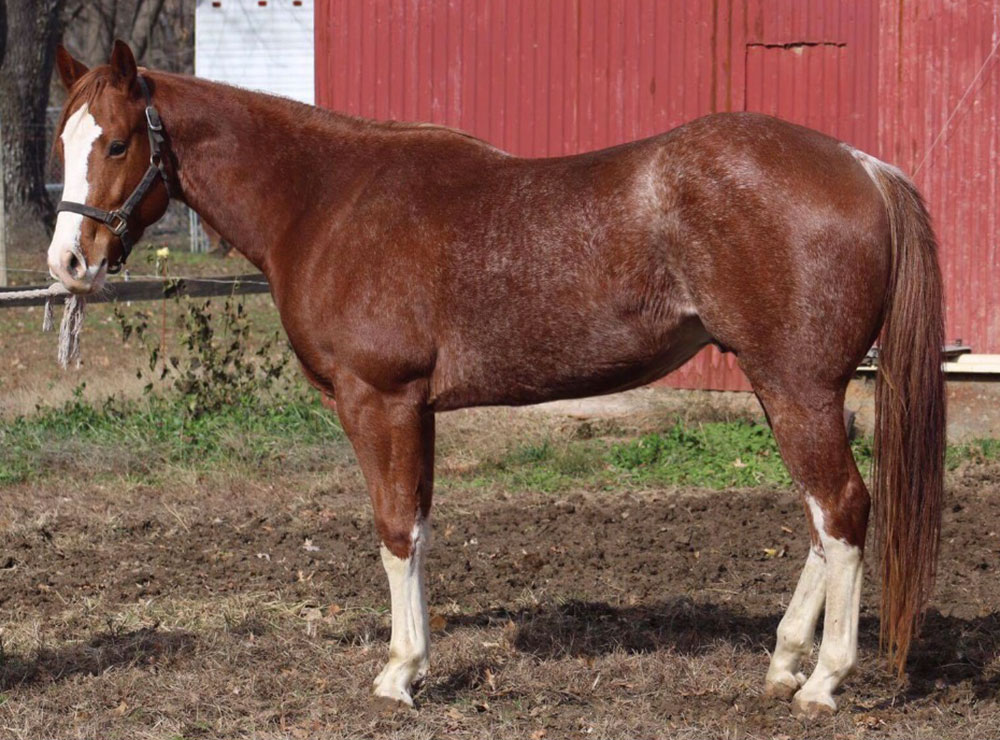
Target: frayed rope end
[69, 331]
[47, 316]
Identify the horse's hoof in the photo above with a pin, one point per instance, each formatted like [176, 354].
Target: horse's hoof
[783, 686]
[810, 708]
[779, 690]
[393, 704]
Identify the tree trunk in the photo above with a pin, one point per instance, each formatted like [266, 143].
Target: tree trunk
[33, 30]
[3, 214]
[3, 29]
[146, 13]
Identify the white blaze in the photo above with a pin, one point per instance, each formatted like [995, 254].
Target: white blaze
[78, 137]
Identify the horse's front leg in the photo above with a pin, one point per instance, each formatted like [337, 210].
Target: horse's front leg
[393, 437]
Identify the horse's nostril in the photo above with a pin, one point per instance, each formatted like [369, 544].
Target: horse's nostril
[72, 263]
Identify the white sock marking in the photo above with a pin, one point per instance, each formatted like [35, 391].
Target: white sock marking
[839, 650]
[410, 641]
[798, 626]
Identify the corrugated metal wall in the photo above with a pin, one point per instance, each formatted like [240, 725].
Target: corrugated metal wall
[563, 76]
[534, 78]
[931, 54]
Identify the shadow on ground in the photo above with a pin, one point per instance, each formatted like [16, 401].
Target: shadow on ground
[146, 646]
[952, 650]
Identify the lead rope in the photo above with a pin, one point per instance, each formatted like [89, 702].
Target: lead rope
[71, 325]
[69, 331]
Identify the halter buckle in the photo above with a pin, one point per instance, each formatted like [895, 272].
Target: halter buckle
[153, 119]
[117, 222]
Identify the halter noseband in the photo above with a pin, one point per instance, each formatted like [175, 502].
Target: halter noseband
[117, 220]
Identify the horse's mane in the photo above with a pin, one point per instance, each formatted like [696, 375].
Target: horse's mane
[94, 81]
[420, 125]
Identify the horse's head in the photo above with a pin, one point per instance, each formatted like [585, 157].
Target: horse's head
[105, 146]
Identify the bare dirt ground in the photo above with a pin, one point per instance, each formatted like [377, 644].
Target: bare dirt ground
[246, 604]
[236, 607]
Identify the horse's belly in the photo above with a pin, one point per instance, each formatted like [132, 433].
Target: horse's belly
[524, 372]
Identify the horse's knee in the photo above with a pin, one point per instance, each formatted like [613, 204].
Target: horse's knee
[396, 539]
[402, 535]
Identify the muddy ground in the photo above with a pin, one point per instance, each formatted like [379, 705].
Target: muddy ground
[230, 609]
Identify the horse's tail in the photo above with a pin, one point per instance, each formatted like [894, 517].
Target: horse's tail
[908, 470]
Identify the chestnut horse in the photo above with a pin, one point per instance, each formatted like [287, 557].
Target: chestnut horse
[418, 269]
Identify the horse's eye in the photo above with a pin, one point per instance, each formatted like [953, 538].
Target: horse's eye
[116, 149]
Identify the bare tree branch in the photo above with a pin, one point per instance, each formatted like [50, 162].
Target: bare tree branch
[143, 21]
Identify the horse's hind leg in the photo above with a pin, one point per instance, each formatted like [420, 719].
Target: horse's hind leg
[393, 437]
[796, 630]
[809, 428]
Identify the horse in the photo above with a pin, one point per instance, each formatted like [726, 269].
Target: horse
[418, 269]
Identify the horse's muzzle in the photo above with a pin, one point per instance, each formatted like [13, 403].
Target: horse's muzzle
[71, 269]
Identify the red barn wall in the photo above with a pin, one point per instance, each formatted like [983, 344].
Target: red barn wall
[564, 76]
[940, 122]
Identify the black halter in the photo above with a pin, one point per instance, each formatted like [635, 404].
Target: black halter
[117, 220]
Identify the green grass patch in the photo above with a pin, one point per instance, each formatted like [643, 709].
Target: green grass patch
[978, 450]
[712, 455]
[293, 432]
[139, 437]
[545, 466]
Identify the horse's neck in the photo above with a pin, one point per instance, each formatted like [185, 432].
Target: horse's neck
[248, 165]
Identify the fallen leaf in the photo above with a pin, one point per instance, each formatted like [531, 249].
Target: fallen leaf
[438, 623]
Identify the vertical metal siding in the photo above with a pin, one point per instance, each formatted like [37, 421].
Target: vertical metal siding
[537, 79]
[564, 76]
[931, 53]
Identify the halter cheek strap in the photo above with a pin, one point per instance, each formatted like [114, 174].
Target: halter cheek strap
[117, 220]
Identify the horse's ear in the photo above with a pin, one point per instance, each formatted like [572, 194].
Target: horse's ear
[70, 70]
[123, 63]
